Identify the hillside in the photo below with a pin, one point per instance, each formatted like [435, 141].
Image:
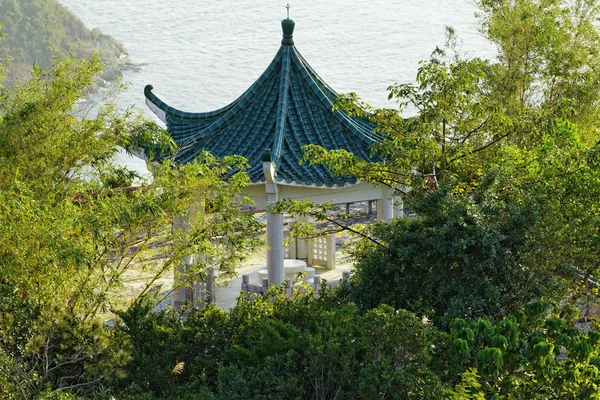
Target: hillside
[35, 29]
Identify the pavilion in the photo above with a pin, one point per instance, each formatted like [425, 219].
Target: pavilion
[289, 106]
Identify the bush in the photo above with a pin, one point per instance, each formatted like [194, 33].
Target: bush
[462, 258]
[277, 347]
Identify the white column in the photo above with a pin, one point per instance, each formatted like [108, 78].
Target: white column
[189, 288]
[398, 207]
[290, 250]
[183, 291]
[385, 205]
[275, 252]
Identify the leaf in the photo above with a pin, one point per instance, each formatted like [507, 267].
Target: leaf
[178, 369]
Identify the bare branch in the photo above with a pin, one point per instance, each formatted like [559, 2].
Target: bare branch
[21, 389]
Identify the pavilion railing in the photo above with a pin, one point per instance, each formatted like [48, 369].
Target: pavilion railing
[249, 288]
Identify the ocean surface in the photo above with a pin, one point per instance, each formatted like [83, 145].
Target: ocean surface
[201, 55]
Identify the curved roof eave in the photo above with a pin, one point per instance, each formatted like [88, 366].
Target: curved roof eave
[312, 186]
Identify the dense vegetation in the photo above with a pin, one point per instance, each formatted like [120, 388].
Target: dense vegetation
[502, 165]
[480, 295]
[37, 29]
[68, 244]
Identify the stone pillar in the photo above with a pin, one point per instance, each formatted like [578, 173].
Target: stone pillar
[275, 252]
[398, 207]
[209, 288]
[189, 288]
[203, 291]
[180, 294]
[184, 292]
[385, 205]
[275, 236]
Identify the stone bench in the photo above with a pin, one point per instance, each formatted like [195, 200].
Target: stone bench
[262, 274]
[310, 274]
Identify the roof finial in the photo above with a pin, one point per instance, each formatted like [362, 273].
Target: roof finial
[288, 29]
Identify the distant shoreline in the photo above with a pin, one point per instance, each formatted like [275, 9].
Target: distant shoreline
[36, 31]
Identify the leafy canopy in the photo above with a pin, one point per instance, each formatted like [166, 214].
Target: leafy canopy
[71, 240]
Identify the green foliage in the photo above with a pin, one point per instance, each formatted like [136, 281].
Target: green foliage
[536, 354]
[302, 347]
[276, 347]
[548, 50]
[68, 244]
[500, 165]
[116, 177]
[468, 388]
[467, 110]
[463, 257]
[54, 395]
[521, 129]
[12, 385]
[61, 231]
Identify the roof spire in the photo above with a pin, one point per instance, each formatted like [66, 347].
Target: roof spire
[288, 29]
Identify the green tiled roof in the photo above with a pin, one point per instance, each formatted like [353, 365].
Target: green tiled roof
[288, 107]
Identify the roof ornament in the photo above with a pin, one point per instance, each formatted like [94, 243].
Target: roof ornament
[288, 29]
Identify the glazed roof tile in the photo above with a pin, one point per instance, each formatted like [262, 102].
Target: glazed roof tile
[289, 106]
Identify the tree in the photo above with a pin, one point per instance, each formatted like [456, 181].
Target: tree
[462, 258]
[500, 165]
[535, 354]
[68, 244]
[469, 112]
[37, 29]
[523, 126]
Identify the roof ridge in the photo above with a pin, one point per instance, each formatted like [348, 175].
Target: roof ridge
[282, 105]
[341, 116]
[232, 113]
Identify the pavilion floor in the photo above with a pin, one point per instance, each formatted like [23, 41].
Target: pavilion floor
[228, 289]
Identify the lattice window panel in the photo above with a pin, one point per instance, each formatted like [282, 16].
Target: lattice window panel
[318, 249]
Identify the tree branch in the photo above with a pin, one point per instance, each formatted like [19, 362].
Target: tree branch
[480, 148]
